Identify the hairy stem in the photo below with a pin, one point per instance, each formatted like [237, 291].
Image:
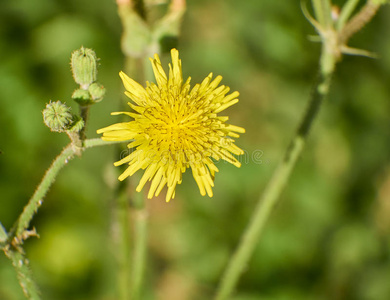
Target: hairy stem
[322, 11]
[346, 12]
[267, 201]
[364, 16]
[140, 246]
[20, 264]
[84, 112]
[90, 143]
[35, 202]
[123, 242]
[20, 232]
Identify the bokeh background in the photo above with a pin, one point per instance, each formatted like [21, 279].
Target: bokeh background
[329, 238]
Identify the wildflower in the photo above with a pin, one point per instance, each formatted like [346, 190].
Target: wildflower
[176, 128]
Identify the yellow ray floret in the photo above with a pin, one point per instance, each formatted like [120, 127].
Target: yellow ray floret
[175, 128]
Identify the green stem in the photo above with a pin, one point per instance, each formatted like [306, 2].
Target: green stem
[322, 11]
[90, 143]
[20, 264]
[84, 111]
[19, 231]
[346, 12]
[140, 246]
[35, 202]
[131, 268]
[239, 261]
[364, 16]
[122, 219]
[140, 218]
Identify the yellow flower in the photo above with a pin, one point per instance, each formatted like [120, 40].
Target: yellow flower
[175, 128]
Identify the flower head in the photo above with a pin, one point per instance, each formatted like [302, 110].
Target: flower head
[175, 128]
[57, 116]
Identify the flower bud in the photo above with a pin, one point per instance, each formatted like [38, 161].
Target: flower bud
[84, 66]
[97, 91]
[77, 125]
[82, 97]
[57, 116]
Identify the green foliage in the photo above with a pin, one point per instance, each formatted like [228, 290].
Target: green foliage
[329, 236]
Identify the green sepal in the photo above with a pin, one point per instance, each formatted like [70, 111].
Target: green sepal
[136, 35]
[82, 97]
[3, 233]
[167, 29]
[77, 124]
[96, 91]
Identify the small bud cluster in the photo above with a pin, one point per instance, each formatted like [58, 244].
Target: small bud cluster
[84, 68]
[58, 118]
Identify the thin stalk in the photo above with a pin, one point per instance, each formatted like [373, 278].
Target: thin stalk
[322, 11]
[19, 231]
[123, 242]
[121, 217]
[140, 246]
[20, 264]
[35, 202]
[140, 213]
[59, 162]
[275, 186]
[346, 12]
[360, 19]
[90, 143]
[140, 221]
[84, 112]
[132, 263]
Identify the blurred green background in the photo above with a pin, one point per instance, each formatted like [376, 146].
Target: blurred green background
[329, 238]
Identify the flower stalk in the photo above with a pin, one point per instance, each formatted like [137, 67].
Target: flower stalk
[12, 245]
[139, 258]
[84, 112]
[346, 13]
[332, 47]
[35, 202]
[139, 40]
[271, 194]
[22, 268]
[122, 242]
[363, 17]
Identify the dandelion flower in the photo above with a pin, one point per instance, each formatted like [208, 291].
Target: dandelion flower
[174, 128]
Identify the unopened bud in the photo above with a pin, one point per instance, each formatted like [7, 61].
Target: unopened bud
[82, 97]
[77, 125]
[97, 91]
[84, 66]
[57, 116]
